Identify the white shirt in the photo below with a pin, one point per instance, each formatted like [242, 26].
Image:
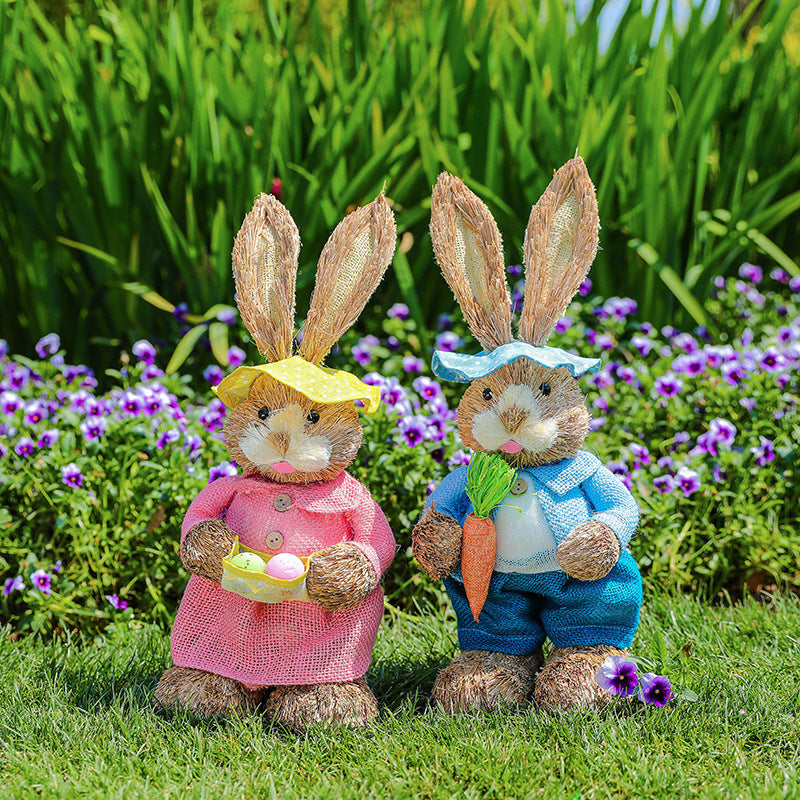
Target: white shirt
[525, 543]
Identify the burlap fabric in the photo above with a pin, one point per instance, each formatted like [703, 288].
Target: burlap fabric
[293, 642]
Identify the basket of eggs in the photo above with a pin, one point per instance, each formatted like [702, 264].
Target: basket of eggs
[265, 577]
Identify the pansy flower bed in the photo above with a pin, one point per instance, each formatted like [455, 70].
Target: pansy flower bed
[703, 428]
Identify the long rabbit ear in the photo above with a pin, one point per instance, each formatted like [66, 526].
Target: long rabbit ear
[560, 244]
[350, 268]
[264, 271]
[469, 250]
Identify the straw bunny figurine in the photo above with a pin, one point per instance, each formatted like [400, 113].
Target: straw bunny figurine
[560, 566]
[293, 428]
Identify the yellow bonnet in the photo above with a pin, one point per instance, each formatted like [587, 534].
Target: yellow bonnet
[321, 384]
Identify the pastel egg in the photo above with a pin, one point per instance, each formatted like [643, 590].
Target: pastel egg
[285, 566]
[249, 561]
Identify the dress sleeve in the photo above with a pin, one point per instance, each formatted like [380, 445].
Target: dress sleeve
[613, 503]
[372, 534]
[211, 503]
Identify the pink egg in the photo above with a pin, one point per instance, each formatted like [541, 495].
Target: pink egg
[285, 566]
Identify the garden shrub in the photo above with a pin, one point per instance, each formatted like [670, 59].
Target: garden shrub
[93, 484]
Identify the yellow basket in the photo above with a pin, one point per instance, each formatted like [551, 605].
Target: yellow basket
[258, 585]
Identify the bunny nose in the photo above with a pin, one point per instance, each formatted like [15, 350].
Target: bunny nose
[513, 418]
[281, 442]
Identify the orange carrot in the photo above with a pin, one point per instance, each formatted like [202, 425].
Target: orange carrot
[478, 549]
[488, 480]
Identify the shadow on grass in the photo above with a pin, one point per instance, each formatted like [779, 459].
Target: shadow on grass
[125, 673]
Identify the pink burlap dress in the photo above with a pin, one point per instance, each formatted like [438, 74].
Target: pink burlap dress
[289, 643]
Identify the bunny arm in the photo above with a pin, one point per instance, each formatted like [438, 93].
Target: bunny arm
[592, 548]
[205, 538]
[436, 543]
[341, 576]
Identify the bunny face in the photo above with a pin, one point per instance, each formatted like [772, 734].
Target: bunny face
[530, 415]
[288, 438]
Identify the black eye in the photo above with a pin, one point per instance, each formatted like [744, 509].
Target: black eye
[545, 389]
[487, 394]
[313, 417]
[263, 412]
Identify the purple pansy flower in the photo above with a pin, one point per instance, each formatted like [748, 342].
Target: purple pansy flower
[426, 388]
[48, 345]
[750, 272]
[48, 438]
[71, 475]
[448, 341]
[213, 374]
[93, 427]
[643, 344]
[398, 311]
[144, 351]
[236, 356]
[9, 402]
[222, 470]
[13, 585]
[413, 365]
[227, 315]
[41, 580]
[413, 429]
[24, 447]
[115, 602]
[585, 287]
[167, 437]
[35, 412]
[764, 451]
[362, 354]
[654, 690]
[664, 484]
[688, 481]
[668, 385]
[564, 324]
[617, 675]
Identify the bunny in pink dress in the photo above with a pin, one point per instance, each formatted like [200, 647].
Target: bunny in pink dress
[293, 427]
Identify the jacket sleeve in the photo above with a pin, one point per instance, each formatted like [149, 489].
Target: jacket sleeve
[450, 496]
[211, 503]
[372, 535]
[613, 504]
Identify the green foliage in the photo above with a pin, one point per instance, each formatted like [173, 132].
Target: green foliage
[78, 722]
[134, 136]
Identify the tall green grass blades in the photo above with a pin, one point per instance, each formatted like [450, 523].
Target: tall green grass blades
[143, 131]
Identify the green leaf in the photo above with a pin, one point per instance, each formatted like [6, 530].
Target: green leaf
[184, 347]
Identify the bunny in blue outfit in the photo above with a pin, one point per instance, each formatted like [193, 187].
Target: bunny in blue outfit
[561, 569]
[530, 596]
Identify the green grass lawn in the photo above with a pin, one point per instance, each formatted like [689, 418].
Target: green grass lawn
[76, 721]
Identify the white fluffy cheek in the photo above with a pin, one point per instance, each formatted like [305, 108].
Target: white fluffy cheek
[306, 453]
[488, 431]
[536, 436]
[258, 449]
[309, 453]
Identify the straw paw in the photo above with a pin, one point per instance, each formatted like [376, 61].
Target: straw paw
[589, 552]
[204, 547]
[340, 577]
[436, 543]
[351, 703]
[204, 694]
[481, 680]
[569, 678]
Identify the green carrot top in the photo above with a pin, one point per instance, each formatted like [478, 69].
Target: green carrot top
[489, 479]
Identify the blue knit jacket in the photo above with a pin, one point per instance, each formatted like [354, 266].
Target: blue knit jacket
[570, 491]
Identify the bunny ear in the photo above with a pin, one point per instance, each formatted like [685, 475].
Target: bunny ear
[560, 244]
[350, 268]
[264, 271]
[469, 250]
